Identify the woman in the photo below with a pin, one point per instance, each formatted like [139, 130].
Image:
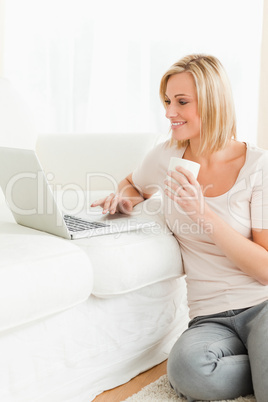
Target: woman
[224, 242]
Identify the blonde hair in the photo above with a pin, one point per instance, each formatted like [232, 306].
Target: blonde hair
[215, 100]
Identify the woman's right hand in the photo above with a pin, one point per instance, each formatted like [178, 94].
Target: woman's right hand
[114, 203]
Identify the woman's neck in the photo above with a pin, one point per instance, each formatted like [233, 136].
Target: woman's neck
[208, 158]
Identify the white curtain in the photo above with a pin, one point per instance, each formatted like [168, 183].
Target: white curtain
[2, 31]
[263, 98]
[95, 66]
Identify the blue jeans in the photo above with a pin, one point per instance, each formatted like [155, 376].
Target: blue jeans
[222, 356]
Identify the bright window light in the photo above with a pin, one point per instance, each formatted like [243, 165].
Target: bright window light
[95, 66]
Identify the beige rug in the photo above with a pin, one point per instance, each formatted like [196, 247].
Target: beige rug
[160, 391]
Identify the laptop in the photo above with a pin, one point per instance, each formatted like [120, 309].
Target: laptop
[32, 202]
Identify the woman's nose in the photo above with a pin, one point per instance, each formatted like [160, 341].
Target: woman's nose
[171, 111]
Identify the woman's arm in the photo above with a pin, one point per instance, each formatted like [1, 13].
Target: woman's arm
[124, 200]
[250, 256]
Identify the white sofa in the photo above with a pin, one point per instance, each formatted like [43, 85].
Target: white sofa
[80, 317]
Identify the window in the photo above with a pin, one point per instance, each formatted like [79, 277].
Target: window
[95, 66]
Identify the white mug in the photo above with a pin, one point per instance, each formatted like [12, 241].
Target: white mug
[193, 167]
[189, 165]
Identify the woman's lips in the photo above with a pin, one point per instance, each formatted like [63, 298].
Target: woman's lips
[178, 124]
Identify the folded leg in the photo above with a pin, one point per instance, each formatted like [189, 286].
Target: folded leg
[257, 344]
[209, 362]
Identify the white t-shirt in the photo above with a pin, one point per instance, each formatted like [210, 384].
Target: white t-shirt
[214, 283]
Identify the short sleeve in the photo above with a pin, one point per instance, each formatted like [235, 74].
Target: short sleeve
[259, 198]
[146, 177]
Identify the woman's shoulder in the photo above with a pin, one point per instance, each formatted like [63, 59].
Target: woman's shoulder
[256, 149]
[257, 155]
[256, 163]
[168, 148]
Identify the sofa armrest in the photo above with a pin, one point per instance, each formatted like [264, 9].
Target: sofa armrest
[40, 274]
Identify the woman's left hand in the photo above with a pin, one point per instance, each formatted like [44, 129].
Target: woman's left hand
[186, 192]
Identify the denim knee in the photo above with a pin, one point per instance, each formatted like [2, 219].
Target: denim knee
[202, 367]
[182, 362]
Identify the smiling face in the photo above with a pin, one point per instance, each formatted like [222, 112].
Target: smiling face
[182, 107]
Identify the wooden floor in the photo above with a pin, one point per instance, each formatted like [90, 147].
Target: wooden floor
[121, 393]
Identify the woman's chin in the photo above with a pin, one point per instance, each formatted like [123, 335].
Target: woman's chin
[177, 137]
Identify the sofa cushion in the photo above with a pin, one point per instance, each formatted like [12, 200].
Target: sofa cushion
[129, 261]
[40, 274]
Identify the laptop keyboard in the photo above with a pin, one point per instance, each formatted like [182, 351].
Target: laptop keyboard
[75, 224]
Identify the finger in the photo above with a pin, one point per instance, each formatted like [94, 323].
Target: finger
[175, 186]
[182, 188]
[107, 203]
[172, 196]
[98, 203]
[114, 204]
[188, 181]
[187, 173]
[179, 177]
[182, 200]
[182, 194]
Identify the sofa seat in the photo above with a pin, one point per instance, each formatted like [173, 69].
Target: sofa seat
[126, 262]
[47, 274]
[40, 274]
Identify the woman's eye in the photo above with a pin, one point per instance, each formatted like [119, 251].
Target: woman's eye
[182, 102]
[167, 102]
